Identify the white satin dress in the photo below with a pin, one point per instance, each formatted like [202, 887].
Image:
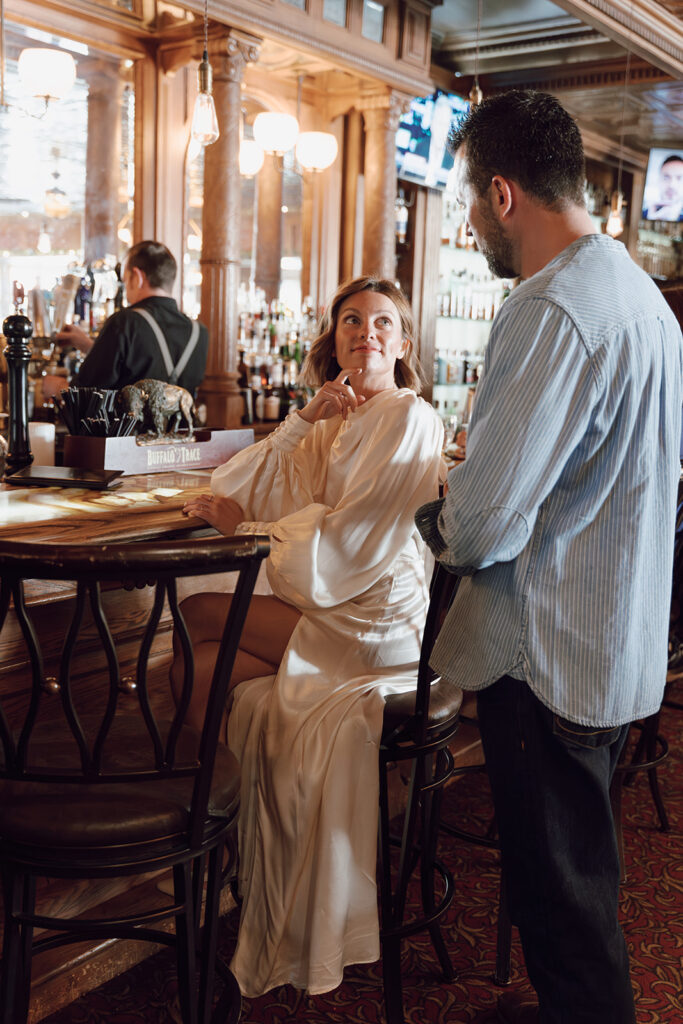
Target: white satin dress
[337, 499]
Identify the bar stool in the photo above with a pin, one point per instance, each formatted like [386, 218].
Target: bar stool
[97, 780]
[650, 750]
[418, 726]
[487, 839]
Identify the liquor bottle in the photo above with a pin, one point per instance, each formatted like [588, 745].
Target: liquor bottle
[243, 370]
[271, 404]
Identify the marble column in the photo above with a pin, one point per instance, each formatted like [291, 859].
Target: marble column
[220, 258]
[381, 114]
[269, 232]
[103, 159]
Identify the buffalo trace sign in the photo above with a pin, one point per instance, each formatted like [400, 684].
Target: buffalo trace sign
[208, 448]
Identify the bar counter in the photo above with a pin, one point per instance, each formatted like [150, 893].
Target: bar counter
[140, 508]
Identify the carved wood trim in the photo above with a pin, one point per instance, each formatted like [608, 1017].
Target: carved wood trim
[582, 76]
[383, 109]
[646, 27]
[341, 46]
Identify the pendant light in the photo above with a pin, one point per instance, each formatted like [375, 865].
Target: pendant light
[278, 133]
[615, 220]
[46, 74]
[476, 95]
[275, 132]
[204, 121]
[56, 201]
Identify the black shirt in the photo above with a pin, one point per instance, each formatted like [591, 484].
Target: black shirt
[126, 349]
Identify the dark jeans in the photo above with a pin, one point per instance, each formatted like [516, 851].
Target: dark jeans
[550, 780]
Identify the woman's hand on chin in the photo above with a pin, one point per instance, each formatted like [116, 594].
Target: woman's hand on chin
[335, 398]
[223, 513]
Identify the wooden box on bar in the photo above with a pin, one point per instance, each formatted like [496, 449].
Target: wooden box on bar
[208, 448]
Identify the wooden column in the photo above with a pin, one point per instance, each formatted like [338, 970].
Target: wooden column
[381, 114]
[220, 259]
[269, 231]
[353, 168]
[102, 165]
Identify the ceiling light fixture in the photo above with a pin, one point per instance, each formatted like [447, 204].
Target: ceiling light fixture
[204, 121]
[275, 132]
[316, 151]
[46, 74]
[251, 158]
[476, 95]
[57, 203]
[278, 133]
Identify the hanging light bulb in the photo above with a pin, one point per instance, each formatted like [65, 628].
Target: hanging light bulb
[476, 95]
[615, 223]
[204, 121]
[615, 220]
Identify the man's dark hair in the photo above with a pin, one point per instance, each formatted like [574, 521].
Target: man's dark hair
[156, 262]
[675, 158]
[526, 136]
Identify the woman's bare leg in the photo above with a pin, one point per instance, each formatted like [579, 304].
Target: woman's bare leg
[267, 628]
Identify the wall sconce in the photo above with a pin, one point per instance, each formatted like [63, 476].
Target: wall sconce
[46, 74]
[204, 121]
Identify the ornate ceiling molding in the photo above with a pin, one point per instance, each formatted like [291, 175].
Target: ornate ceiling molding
[644, 26]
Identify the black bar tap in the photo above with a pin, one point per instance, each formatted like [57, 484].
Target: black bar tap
[18, 329]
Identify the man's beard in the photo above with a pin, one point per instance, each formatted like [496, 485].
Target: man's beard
[499, 260]
[497, 249]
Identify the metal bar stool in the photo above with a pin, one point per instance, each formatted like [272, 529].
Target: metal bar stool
[95, 780]
[418, 726]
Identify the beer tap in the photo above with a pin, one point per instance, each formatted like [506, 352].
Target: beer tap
[17, 329]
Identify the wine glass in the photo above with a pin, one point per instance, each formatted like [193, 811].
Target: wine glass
[451, 424]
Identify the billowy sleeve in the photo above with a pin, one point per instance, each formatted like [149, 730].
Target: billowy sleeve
[322, 556]
[275, 477]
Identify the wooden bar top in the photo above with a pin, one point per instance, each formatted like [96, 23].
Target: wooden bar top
[141, 507]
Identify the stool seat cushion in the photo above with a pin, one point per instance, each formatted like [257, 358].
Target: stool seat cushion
[80, 817]
[445, 700]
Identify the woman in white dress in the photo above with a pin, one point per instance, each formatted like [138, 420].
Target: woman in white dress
[336, 487]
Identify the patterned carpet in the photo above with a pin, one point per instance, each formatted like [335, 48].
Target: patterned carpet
[652, 916]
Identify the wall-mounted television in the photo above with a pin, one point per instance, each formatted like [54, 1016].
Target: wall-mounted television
[421, 153]
[663, 197]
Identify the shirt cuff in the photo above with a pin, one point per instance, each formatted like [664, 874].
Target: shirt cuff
[427, 522]
[255, 527]
[291, 431]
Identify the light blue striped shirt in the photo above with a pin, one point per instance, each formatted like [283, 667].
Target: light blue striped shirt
[562, 515]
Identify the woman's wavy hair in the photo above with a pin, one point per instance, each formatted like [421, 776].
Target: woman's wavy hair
[321, 364]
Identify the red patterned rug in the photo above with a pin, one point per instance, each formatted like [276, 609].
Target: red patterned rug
[652, 917]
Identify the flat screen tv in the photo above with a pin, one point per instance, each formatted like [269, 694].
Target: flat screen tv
[663, 197]
[421, 153]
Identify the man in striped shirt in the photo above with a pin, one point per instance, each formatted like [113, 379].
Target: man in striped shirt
[561, 521]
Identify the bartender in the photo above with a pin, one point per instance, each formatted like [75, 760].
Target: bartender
[150, 338]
